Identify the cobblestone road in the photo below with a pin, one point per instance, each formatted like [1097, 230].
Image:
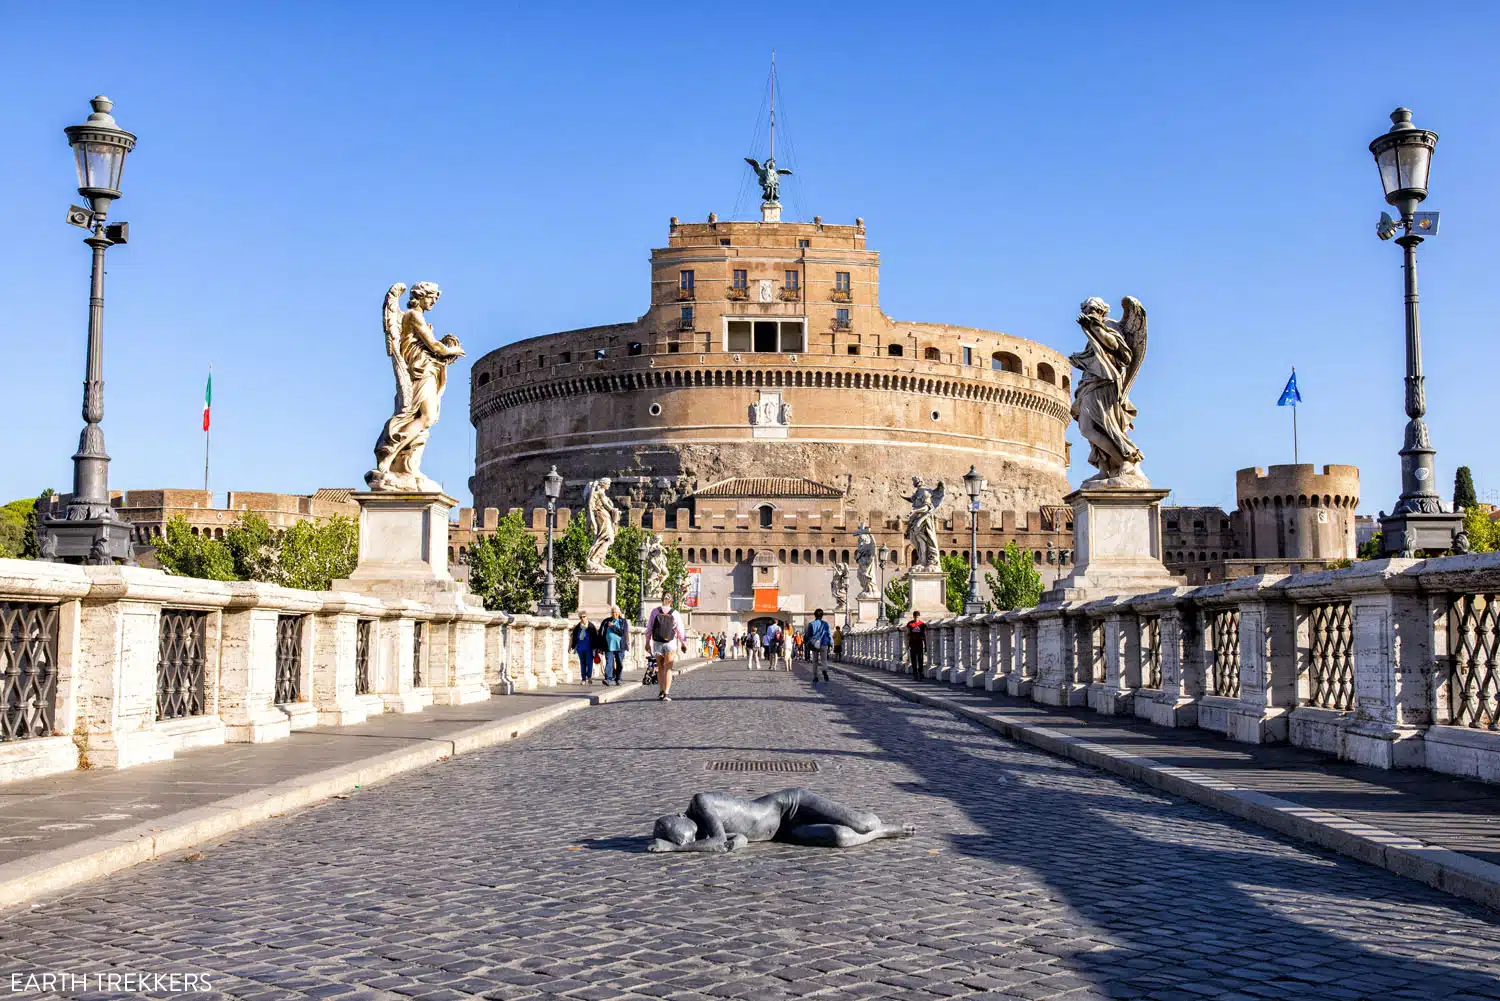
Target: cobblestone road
[519, 873]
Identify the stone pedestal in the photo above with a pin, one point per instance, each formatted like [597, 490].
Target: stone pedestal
[867, 609]
[770, 211]
[1433, 531]
[1118, 539]
[596, 593]
[403, 536]
[929, 592]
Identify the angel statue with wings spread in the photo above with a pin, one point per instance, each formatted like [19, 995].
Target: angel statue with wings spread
[769, 176]
[921, 524]
[656, 564]
[839, 586]
[421, 364]
[1102, 403]
[602, 517]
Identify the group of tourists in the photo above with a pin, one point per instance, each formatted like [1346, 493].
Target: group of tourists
[605, 645]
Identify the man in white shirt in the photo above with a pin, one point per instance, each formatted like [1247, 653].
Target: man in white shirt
[752, 650]
[665, 634]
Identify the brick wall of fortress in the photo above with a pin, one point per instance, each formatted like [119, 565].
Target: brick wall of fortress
[665, 407]
[1296, 511]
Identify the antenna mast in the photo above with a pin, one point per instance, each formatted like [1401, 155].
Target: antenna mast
[773, 104]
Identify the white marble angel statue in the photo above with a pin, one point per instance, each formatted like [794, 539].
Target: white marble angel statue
[1102, 404]
[864, 558]
[656, 565]
[421, 364]
[921, 524]
[602, 519]
[839, 586]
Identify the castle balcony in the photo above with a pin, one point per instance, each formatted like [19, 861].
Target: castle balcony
[684, 325]
[738, 293]
[686, 294]
[841, 295]
[789, 294]
[838, 324]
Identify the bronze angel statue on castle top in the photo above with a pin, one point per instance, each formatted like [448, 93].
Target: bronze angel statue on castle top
[769, 176]
[1102, 404]
[421, 364]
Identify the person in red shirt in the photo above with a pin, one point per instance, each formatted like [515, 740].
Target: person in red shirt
[916, 644]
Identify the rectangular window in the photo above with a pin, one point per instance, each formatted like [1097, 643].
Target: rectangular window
[841, 280]
[968, 356]
[724, 242]
[673, 347]
[738, 336]
[741, 278]
[854, 349]
[792, 278]
[567, 356]
[686, 319]
[685, 281]
[841, 315]
[765, 335]
[634, 348]
[791, 337]
[804, 244]
[598, 354]
[541, 361]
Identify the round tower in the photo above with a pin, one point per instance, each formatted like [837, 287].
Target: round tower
[1296, 512]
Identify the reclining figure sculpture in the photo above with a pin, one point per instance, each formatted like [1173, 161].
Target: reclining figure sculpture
[719, 822]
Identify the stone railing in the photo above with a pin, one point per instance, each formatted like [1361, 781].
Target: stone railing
[1391, 663]
[117, 666]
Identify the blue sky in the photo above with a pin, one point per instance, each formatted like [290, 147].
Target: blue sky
[1009, 160]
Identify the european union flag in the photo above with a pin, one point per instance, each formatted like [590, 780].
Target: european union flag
[1289, 396]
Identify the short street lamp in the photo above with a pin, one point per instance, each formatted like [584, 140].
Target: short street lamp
[552, 485]
[91, 531]
[974, 484]
[1418, 521]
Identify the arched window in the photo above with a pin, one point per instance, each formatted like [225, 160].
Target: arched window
[819, 556]
[450, 554]
[932, 354]
[807, 556]
[692, 558]
[843, 556]
[1036, 557]
[484, 378]
[1004, 361]
[796, 556]
[1065, 382]
[765, 515]
[739, 556]
[1046, 373]
[894, 350]
[715, 558]
[781, 555]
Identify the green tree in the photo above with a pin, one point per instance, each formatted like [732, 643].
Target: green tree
[311, 555]
[624, 557]
[675, 583]
[252, 545]
[181, 552]
[897, 598]
[30, 548]
[505, 569]
[1463, 490]
[1015, 582]
[13, 527]
[957, 592]
[568, 560]
[1371, 549]
[1484, 534]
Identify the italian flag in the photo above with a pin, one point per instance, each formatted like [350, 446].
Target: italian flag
[208, 399]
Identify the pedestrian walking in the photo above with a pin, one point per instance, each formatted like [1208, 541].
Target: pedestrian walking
[817, 640]
[838, 643]
[784, 636]
[616, 633]
[665, 634]
[916, 644]
[585, 641]
[754, 659]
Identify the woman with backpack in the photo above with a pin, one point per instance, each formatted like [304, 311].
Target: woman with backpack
[665, 634]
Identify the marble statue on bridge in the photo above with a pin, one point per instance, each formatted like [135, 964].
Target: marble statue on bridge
[421, 363]
[1101, 404]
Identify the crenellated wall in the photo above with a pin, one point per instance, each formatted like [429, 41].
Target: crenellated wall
[1296, 512]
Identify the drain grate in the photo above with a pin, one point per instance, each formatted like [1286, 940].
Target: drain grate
[754, 765]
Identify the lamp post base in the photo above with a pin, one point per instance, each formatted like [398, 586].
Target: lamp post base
[1415, 531]
[88, 540]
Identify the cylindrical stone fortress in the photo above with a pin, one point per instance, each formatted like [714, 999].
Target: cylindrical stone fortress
[764, 353]
[1295, 512]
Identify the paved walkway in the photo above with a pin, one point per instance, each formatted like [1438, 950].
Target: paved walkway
[519, 873]
[1459, 815]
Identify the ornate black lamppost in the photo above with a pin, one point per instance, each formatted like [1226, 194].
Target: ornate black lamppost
[640, 615]
[90, 530]
[552, 485]
[881, 556]
[974, 484]
[1418, 521]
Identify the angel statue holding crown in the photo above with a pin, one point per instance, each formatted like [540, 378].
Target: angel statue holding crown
[864, 558]
[603, 518]
[421, 364]
[769, 176]
[1102, 404]
[921, 524]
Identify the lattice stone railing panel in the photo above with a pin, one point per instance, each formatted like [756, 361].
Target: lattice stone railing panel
[28, 669]
[417, 629]
[180, 658]
[1331, 660]
[1474, 638]
[1224, 633]
[1150, 633]
[288, 658]
[1098, 665]
[363, 631]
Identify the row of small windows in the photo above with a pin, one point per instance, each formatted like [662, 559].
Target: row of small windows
[822, 557]
[1182, 556]
[740, 279]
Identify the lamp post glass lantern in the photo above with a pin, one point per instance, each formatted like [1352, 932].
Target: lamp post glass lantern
[552, 486]
[880, 566]
[1403, 157]
[90, 531]
[974, 484]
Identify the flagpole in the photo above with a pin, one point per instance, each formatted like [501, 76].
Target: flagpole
[207, 436]
[1296, 460]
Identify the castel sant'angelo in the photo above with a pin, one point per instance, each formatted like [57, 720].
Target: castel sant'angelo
[764, 406]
